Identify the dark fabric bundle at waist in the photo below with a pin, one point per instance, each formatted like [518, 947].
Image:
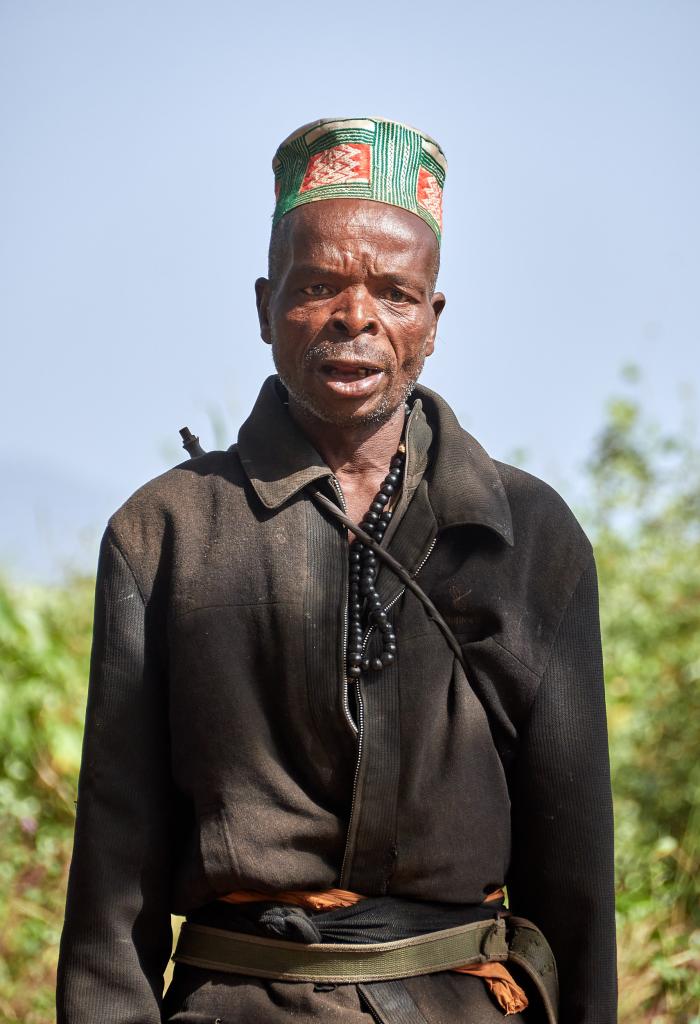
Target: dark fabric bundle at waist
[373, 919]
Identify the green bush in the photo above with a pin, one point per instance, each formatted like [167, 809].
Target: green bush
[645, 489]
[44, 652]
[643, 502]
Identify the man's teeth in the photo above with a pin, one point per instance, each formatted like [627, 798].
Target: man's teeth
[354, 371]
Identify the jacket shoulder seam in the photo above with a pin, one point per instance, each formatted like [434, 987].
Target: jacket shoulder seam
[539, 676]
[555, 635]
[587, 564]
[515, 657]
[119, 547]
[565, 605]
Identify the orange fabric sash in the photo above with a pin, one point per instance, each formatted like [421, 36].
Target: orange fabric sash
[502, 985]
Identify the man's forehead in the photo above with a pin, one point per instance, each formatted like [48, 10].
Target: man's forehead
[339, 232]
[361, 158]
[336, 221]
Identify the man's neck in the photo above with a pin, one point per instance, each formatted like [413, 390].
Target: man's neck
[364, 449]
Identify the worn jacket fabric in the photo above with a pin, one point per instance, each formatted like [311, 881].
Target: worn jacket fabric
[222, 749]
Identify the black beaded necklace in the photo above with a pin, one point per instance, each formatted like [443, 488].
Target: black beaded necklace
[364, 603]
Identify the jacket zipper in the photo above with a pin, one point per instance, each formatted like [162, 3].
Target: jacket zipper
[335, 483]
[360, 738]
[401, 592]
[361, 720]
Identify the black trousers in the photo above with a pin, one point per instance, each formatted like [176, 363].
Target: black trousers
[198, 996]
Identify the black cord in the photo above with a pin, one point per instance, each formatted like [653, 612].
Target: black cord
[395, 567]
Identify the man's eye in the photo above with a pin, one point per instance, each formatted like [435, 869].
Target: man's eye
[318, 291]
[395, 295]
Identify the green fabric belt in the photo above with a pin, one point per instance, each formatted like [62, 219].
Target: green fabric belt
[511, 939]
[214, 948]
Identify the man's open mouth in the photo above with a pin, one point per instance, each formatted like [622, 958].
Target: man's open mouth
[349, 371]
[351, 378]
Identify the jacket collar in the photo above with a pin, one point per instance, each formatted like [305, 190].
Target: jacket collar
[464, 486]
[279, 460]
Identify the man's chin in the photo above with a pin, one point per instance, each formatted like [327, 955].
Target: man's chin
[344, 412]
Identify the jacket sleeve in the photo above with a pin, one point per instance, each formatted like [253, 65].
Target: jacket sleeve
[562, 871]
[117, 938]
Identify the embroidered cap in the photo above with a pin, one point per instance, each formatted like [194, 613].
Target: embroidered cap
[361, 158]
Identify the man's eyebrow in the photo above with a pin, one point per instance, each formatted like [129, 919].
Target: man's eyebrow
[400, 279]
[324, 270]
[305, 269]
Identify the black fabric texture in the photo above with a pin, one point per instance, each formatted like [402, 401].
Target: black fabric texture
[376, 919]
[202, 997]
[391, 1003]
[560, 790]
[117, 913]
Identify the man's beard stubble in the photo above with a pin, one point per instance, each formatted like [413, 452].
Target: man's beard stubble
[379, 414]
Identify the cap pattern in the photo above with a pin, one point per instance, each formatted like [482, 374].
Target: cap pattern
[361, 158]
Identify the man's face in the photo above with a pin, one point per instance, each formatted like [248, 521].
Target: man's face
[351, 315]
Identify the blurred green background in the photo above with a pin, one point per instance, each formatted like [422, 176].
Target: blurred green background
[642, 510]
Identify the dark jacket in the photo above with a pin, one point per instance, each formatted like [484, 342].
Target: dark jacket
[220, 752]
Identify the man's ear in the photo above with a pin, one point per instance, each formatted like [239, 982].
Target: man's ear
[262, 301]
[438, 303]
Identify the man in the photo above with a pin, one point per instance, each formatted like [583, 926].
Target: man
[298, 745]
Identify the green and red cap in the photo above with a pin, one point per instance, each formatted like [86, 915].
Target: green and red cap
[361, 158]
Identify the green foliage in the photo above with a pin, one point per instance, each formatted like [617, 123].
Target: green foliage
[643, 514]
[44, 651]
[645, 493]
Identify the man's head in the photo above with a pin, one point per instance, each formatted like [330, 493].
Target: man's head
[350, 307]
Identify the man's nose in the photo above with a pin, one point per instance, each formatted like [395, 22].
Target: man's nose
[355, 314]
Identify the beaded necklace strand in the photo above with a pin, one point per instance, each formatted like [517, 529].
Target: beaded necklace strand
[364, 603]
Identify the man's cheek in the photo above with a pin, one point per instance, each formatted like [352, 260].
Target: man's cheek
[300, 316]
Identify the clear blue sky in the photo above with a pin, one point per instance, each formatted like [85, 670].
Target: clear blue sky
[136, 194]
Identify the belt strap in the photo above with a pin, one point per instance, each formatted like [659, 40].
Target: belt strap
[390, 1003]
[216, 949]
[364, 963]
[531, 951]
